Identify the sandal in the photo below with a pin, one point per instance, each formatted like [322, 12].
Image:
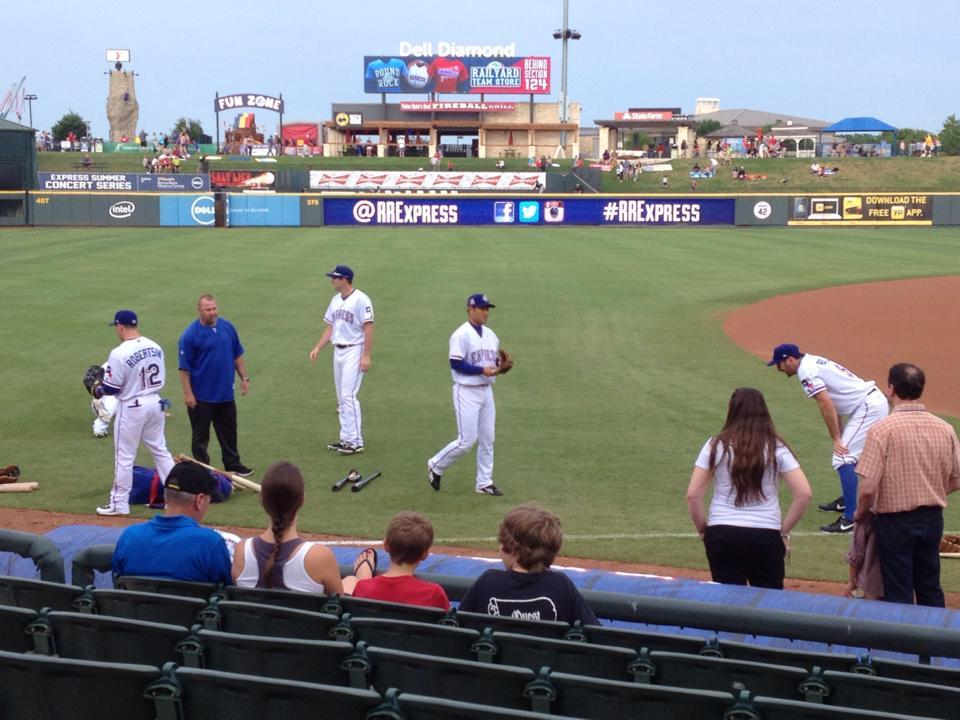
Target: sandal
[363, 558]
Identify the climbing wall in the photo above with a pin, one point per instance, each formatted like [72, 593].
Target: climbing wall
[123, 111]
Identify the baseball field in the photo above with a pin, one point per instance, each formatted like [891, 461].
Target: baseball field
[622, 365]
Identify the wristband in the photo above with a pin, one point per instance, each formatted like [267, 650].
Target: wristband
[246, 379]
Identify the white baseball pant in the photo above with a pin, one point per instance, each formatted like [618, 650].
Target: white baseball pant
[140, 419]
[347, 379]
[476, 425]
[854, 435]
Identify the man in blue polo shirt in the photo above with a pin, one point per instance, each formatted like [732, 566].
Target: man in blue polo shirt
[174, 545]
[210, 353]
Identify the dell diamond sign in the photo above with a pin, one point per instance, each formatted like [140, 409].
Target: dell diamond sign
[202, 210]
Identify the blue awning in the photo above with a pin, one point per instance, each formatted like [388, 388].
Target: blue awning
[859, 125]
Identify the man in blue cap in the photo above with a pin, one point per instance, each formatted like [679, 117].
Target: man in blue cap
[839, 393]
[474, 364]
[349, 320]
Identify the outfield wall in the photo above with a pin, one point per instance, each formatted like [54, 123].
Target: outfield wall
[268, 209]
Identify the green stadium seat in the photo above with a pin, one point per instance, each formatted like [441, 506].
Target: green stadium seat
[267, 620]
[36, 687]
[806, 659]
[416, 637]
[640, 639]
[105, 639]
[316, 661]
[364, 607]
[191, 694]
[406, 706]
[149, 607]
[36, 594]
[284, 598]
[576, 658]
[915, 672]
[447, 678]
[767, 707]
[888, 695]
[166, 587]
[13, 629]
[586, 697]
[481, 621]
[710, 673]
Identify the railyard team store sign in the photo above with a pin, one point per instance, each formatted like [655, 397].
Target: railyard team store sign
[877, 209]
[462, 75]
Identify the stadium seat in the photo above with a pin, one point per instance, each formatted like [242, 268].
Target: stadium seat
[36, 594]
[105, 639]
[640, 639]
[576, 658]
[447, 678]
[806, 659]
[481, 621]
[406, 706]
[284, 598]
[915, 672]
[13, 629]
[423, 638]
[149, 607]
[888, 695]
[166, 587]
[267, 620]
[767, 707]
[191, 694]
[36, 687]
[316, 661]
[364, 607]
[586, 697]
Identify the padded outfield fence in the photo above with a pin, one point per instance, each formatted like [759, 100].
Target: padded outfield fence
[171, 208]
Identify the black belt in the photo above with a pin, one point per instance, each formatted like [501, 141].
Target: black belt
[341, 347]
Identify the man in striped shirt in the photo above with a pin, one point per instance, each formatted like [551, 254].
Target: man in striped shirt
[910, 463]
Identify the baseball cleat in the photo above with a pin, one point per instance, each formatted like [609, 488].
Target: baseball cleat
[335, 445]
[837, 506]
[840, 525]
[111, 510]
[348, 449]
[490, 490]
[101, 434]
[433, 478]
[241, 470]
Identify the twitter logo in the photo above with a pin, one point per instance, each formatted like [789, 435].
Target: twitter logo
[529, 211]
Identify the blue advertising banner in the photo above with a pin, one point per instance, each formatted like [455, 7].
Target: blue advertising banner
[263, 210]
[128, 182]
[540, 211]
[187, 210]
[447, 74]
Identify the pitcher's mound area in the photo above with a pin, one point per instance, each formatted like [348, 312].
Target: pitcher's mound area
[867, 328]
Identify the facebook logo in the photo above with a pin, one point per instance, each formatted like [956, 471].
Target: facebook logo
[503, 212]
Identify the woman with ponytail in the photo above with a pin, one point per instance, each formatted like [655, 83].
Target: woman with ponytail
[278, 557]
[746, 538]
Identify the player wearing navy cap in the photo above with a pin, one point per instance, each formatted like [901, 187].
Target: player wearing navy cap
[474, 352]
[839, 393]
[349, 320]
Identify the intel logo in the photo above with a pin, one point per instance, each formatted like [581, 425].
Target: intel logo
[202, 210]
[122, 209]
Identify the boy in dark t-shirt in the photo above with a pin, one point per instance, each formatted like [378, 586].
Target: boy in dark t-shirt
[530, 538]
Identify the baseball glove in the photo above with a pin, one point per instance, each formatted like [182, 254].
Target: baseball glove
[504, 362]
[92, 378]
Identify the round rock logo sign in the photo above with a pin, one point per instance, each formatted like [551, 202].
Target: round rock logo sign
[202, 210]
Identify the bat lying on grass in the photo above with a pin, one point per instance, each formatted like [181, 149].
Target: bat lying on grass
[237, 480]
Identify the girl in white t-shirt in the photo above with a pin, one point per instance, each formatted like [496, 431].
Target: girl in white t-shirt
[745, 537]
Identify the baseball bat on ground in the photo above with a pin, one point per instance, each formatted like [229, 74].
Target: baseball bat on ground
[361, 484]
[351, 476]
[237, 480]
[19, 487]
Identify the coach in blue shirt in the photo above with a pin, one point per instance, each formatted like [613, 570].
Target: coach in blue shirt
[210, 353]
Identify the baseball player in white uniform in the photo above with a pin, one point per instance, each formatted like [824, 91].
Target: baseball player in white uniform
[134, 374]
[474, 351]
[104, 408]
[349, 320]
[839, 393]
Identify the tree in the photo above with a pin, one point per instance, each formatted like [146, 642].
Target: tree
[950, 136]
[707, 127]
[193, 128]
[70, 121]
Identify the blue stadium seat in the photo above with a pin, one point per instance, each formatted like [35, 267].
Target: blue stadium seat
[191, 694]
[36, 594]
[417, 637]
[105, 639]
[36, 687]
[13, 629]
[268, 620]
[315, 661]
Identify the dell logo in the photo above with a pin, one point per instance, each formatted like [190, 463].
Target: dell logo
[202, 210]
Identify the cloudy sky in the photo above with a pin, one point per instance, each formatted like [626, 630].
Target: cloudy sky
[818, 59]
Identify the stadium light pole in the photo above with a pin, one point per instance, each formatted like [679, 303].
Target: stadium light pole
[30, 98]
[565, 34]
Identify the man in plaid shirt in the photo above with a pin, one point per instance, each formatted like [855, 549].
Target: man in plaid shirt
[910, 463]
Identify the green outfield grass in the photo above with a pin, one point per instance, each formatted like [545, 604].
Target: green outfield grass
[622, 366]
